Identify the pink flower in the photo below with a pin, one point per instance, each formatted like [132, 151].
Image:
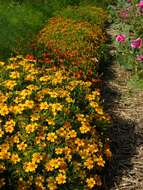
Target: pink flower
[120, 38]
[139, 58]
[136, 43]
[129, 1]
[140, 4]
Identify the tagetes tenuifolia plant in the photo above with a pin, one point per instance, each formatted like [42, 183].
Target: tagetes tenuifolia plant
[75, 43]
[51, 128]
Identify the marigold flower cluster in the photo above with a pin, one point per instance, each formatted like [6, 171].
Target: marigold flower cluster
[51, 128]
[75, 45]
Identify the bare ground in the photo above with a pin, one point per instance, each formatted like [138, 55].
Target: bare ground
[125, 105]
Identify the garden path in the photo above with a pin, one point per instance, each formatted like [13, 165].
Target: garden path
[125, 105]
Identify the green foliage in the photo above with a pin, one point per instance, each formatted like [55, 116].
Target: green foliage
[89, 13]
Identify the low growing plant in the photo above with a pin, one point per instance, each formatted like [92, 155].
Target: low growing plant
[52, 129]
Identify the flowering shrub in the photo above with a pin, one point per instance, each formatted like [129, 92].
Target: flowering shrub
[75, 44]
[52, 128]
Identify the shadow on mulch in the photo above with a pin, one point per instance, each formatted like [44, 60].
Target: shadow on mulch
[122, 132]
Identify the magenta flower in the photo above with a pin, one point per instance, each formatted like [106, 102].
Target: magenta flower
[139, 58]
[140, 4]
[136, 43]
[120, 38]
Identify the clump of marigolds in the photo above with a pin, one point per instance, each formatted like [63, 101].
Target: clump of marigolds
[51, 128]
[75, 45]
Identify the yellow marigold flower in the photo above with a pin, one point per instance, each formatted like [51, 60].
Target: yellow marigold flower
[9, 126]
[51, 137]
[22, 146]
[29, 104]
[30, 77]
[29, 166]
[36, 157]
[69, 100]
[35, 117]
[44, 106]
[1, 132]
[73, 134]
[48, 167]
[50, 121]
[32, 87]
[4, 110]
[99, 110]
[90, 182]
[31, 128]
[61, 178]
[16, 139]
[89, 163]
[84, 128]
[14, 75]
[45, 78]
[4, 155]
[10, 84]
[52, 184]
[15, 158]
[94, 104]
[100, 161]
[79, 142]
[59, 150]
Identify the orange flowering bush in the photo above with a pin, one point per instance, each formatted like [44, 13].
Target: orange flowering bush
[75, 44]
[52, 129]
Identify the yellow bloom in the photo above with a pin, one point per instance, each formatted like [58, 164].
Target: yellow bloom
[10, 84]
[29, 166]
[50, 121]
[51, 137]
[9, 126]
[31, 128]
[14, 75]
[84, 128]
[35, 117]
[72, 134]
[15, 158]
[29, 104]
[61, 178]
[59, 150]
[100, 161]
[36, 157]
[4, 110]
[89, 163]
[44, 106]
[90, 182]
[22, 146]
